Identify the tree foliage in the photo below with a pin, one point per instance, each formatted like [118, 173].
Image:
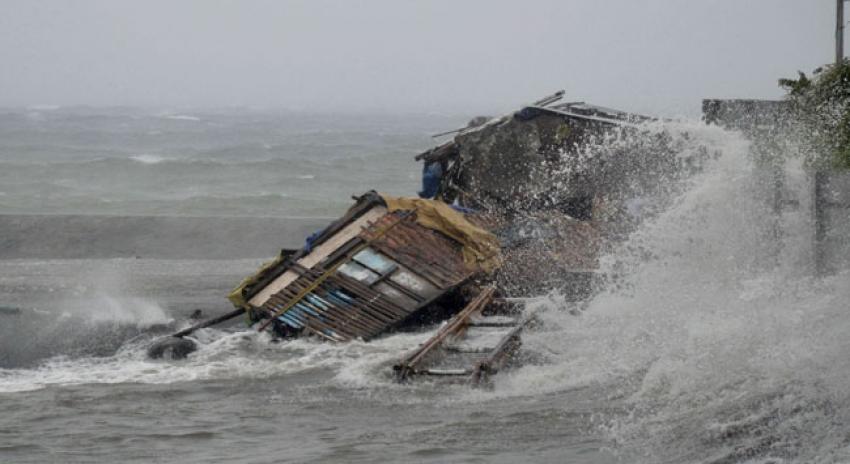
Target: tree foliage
[821, 105]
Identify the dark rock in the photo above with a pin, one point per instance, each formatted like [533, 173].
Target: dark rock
[172, 347]
[8, 310]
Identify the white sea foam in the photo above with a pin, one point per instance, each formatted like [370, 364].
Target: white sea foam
[147, 158]
[221, 355]
[99, 303]
[708, 337]
[182, 117]
[703, 344]
[128, 310]
[218, 359]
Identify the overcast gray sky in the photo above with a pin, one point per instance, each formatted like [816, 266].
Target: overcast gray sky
[656, 56]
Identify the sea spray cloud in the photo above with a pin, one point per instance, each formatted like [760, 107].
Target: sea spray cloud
[704, 343]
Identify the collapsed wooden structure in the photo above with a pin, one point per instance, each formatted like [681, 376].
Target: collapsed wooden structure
[474, 345]
[527, 172]
[386, 264]
[391, 263]
[374, 270]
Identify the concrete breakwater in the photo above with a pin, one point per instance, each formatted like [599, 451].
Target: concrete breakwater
[97, 237]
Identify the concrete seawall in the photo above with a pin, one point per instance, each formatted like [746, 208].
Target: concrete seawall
[158, 237]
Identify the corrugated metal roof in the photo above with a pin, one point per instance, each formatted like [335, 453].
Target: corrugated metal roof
[391, 270]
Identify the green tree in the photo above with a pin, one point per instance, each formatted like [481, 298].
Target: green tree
[821, 107]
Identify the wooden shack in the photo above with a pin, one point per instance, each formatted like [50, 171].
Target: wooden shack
[552, 207]
[385, 263]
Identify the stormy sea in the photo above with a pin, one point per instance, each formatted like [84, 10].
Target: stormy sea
[706, 344]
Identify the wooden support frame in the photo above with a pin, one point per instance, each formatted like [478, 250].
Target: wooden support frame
[409, 366]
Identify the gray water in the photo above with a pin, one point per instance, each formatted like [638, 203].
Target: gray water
[128, 161]
[699, 350]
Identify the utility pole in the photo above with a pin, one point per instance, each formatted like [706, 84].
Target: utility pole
[839, 31]
[821, 175]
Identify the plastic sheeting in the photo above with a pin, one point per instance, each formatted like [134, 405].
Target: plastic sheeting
[480, 247]
[237, 295]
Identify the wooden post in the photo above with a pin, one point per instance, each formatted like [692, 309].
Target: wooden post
[209, 323]
[839, 31]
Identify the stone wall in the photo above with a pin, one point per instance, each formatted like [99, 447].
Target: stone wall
[511, 165]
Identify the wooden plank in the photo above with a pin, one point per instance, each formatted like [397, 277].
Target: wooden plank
[492, 363]
[319, 253]
[410, 363]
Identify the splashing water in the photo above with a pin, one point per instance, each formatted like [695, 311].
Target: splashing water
[711, 342]
[221, 355]
[714, 350]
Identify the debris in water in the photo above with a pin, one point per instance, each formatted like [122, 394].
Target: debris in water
[172, 347]
[485, 230]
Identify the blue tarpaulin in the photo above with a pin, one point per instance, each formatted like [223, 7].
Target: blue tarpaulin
[431, 175]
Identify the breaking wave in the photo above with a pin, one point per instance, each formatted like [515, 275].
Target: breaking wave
[244, 354]
[713, 341]
[153, 184]
[97, 329]
[146, 158]
[710, 341]
[181, 117]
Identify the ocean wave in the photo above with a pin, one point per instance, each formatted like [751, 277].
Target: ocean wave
[709, 347]
[220, 355]
[198, 161]
[235, 197]
[146, 158]
[181, 117]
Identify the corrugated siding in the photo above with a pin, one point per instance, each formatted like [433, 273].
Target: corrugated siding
[432, 255]
[395, 268]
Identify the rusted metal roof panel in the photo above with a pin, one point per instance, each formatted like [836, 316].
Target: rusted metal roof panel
[392, 269]
[431, 254]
